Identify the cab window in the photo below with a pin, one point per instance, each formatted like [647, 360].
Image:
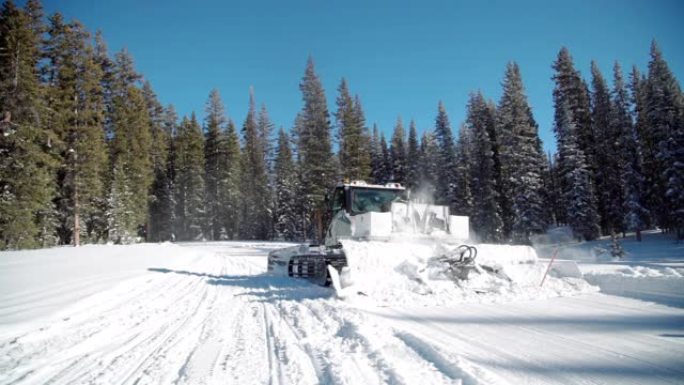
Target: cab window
[338, 200]
[367, 200]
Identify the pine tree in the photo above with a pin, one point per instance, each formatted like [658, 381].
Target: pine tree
[428, 166]
[663, 109]
[412, 158]
[162, 204]
[189, 180]
[446, 189]
[576, 161]
[265, 129]
[253, 181]
[314, 148]
[633, 214]
[106, 65]
[521, 159]
[286, 187]
[577, 196]
[377, 175]
[398, 153]
[77, 114]
[486, 214]
[353, 154]
[570, 88]
[158, 229]
[214, 123]
[229, 181]
[26, 180]
[608, 176]
[131, 155]
[461, 185]
[385, 161]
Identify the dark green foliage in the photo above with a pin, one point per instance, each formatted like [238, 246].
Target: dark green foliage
[378, 160]
[460, 174]
[521, 161]
[608, 175]
[189, 180]
[412, 158]
[575, 148]
[162, 123]
[663, 136]
[354, 155]
[486, 213]
[398, 153]
[428, 165]
[214, 123]
[255, 215]
[229, 181]
[577, 195]
[314, 149]
[27, 182]
[286, 187]
[76, 110]
[447, 189]
[633, 214]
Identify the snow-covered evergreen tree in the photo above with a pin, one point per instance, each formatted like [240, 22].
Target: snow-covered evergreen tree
[572, 126]
[521, 159]
[607, 155]
[314, 148]
[486, 214]
[27, 186]
[189, 182]
[229, 181]
[354, 155]
[385, 161]
[398, 153]
[428, 165]
[578, 195]
[286, 187]
[215, 121]
[76, 115]
[663, 109]
[446, 190]
[463, 197]
[130, 153]
[627, 206]
[255, 216]
[412, 158]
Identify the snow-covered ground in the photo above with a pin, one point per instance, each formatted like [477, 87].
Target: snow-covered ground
[207, 313]
[651, 270]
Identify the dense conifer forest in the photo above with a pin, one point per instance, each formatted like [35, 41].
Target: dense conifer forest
[89, 155]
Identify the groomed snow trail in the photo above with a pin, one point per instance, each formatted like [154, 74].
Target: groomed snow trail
[213, 316]
[219, 319]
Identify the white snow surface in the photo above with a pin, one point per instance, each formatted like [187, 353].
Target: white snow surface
[207, 313]
[391, 273]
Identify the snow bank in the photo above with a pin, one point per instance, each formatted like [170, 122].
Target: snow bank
[664, 285]
[408, 271]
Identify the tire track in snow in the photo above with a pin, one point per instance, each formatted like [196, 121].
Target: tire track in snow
[84, 353]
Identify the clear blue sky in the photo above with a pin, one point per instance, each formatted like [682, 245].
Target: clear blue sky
[401, 57]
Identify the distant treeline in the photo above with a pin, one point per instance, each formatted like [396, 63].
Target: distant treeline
[87, 152]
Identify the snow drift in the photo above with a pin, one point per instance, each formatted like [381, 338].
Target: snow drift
[400, 271]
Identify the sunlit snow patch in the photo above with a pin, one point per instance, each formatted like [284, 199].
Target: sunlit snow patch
[398, 272]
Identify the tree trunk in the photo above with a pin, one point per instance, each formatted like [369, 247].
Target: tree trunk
[77, 219]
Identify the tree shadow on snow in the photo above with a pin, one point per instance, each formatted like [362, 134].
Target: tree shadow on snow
[610, 372]
[594, 323]
[262, 287]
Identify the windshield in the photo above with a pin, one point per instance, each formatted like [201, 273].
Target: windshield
[376, 200]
